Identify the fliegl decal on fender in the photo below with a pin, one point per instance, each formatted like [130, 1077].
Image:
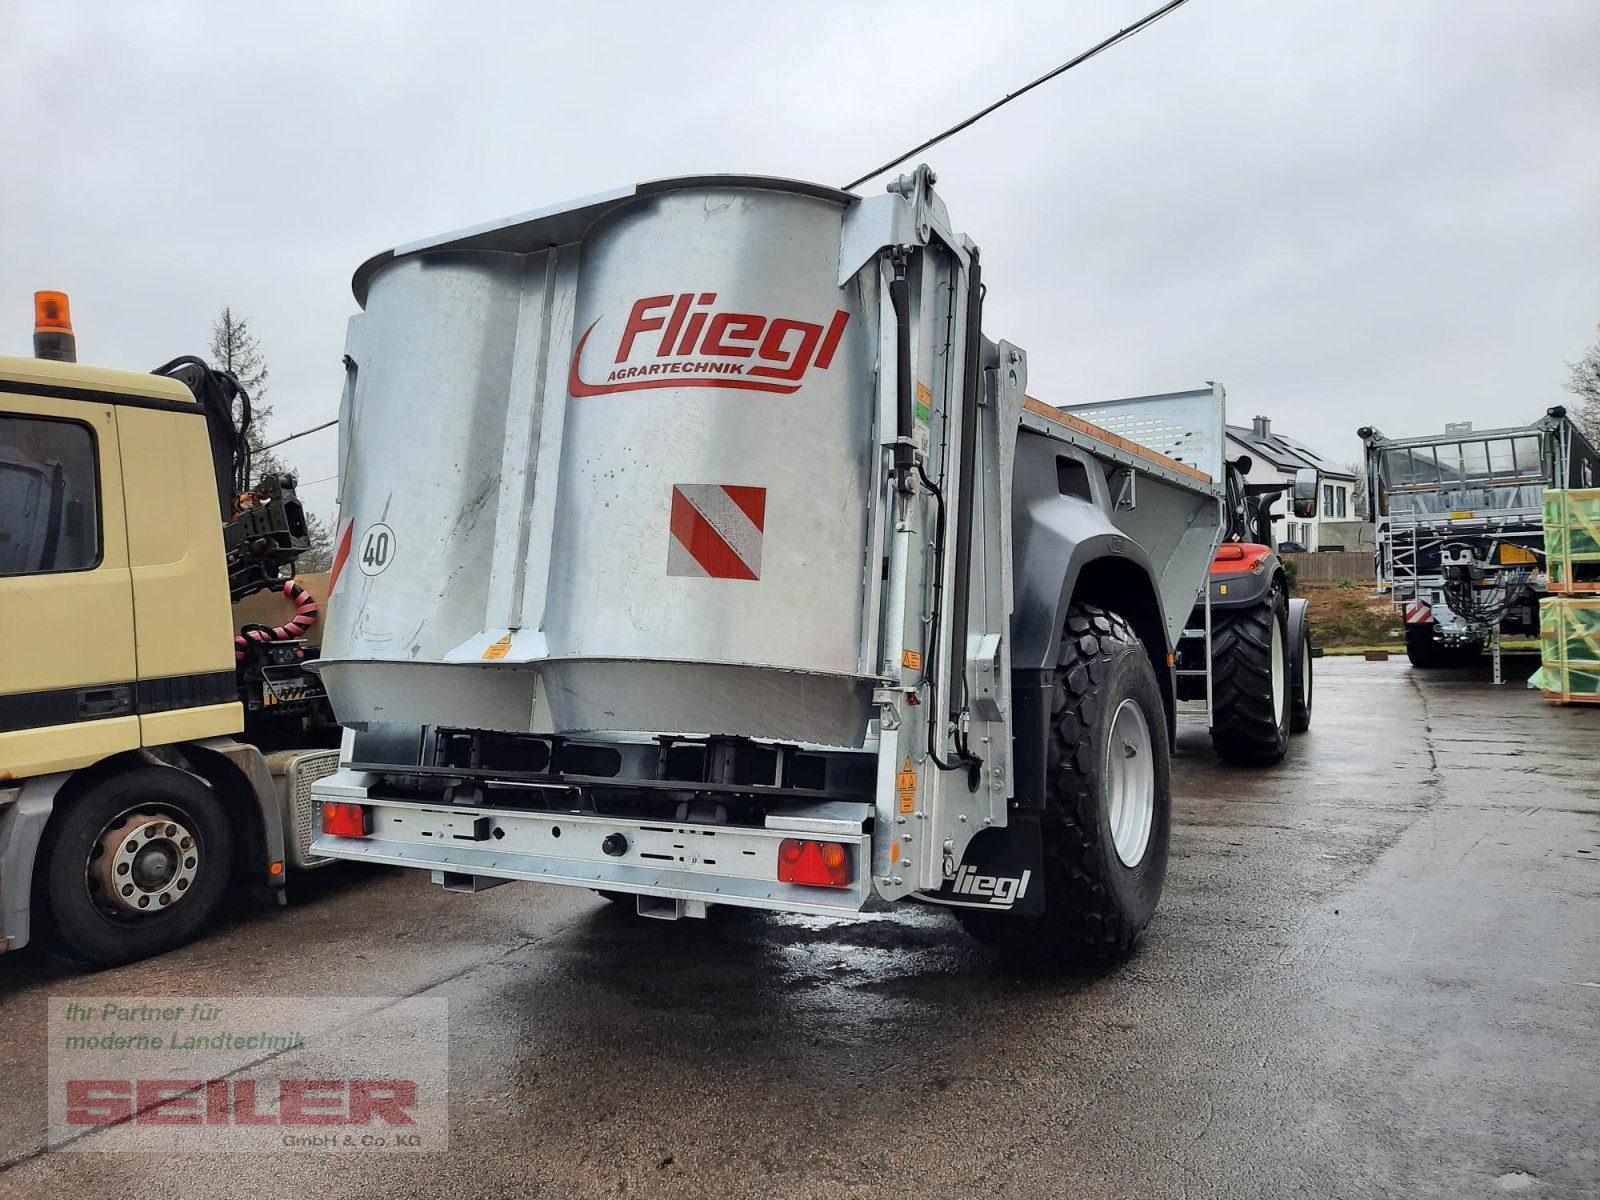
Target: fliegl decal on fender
[973, 889]
[682, 341]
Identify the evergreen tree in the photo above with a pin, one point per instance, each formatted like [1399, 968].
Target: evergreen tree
[235, 349]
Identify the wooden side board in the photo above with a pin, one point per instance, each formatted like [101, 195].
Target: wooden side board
[1040, 409]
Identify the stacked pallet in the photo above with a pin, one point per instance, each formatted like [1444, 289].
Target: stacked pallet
[1572, 540]
[1569, 644]
[1569, 618]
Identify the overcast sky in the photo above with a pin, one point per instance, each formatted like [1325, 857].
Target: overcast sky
[1366, 211]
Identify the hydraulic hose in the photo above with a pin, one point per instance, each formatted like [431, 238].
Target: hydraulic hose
[304, 618]
[966, 478]
[905, 415]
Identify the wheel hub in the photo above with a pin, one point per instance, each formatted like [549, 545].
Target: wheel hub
[143, 863]
[1130, 783]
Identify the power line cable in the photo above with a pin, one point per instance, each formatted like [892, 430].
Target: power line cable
[1122, 35]
[301, 434]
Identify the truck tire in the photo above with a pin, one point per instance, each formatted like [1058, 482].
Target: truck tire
[1301, 683]
[1425, 651]
[1250, 682]
[1108, 803]
[136, 866]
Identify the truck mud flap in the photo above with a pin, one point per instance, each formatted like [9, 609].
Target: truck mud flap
[1002, 871]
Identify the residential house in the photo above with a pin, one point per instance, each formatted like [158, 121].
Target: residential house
[1274, 458]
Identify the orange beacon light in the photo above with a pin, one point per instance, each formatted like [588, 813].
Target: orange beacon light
[52, 328]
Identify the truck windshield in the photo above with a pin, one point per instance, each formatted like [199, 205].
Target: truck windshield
[1481, 475]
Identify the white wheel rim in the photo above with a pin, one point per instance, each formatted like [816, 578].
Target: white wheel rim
[1278, 668]
[1130, 783]
[1305, 673]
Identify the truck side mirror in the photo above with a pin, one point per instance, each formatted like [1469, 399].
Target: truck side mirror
[1304, 498]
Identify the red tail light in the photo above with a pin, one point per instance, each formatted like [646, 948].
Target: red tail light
[816, 864]
[346, 820]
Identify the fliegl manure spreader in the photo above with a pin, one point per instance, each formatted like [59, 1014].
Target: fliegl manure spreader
[696, 547]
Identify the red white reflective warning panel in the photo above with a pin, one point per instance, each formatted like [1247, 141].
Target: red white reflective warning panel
[1418, 612]
[716, 531]
[341, 554]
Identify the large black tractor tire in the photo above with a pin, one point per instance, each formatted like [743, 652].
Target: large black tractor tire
[1301, 681]
[1250, 682]
[1425, 651]
[134, 866]
[1108, 739]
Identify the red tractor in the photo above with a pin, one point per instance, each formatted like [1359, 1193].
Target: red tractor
[1255, 636]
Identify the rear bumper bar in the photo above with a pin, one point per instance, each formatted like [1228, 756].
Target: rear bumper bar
[465, 847]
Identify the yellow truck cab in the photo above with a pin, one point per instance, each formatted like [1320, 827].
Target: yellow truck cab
[128, 799]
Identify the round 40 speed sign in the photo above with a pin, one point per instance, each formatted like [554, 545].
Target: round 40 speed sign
[376, 551]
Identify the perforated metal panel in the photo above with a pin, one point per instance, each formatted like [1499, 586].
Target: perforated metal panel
[304, 770]
[1186, 426]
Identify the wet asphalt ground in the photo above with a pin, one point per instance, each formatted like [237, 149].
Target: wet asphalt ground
[1375, 972]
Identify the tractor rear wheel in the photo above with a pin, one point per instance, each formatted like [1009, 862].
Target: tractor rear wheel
[1250, 682]
[1108, 803]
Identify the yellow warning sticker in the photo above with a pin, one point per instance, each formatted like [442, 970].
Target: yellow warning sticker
[911, 660]
[924, 405]
[500, 649]
[905, 784]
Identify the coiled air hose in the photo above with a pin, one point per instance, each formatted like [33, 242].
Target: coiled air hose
[304, 618]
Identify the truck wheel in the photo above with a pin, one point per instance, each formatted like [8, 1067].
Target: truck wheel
[1250, 682]
[137, 865]
[1107, 803]
[1425, 651]
[1301, 683]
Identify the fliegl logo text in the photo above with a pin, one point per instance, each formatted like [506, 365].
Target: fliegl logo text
[1002, 891]
[684, 341]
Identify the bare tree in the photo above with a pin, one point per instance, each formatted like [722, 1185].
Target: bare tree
[1583, 381]
[1358, 498]
[320, 556]
[234, 348]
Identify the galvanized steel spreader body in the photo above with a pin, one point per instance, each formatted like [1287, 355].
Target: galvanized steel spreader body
[696, 545]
